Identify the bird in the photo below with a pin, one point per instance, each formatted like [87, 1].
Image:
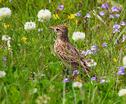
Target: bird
[66, 51]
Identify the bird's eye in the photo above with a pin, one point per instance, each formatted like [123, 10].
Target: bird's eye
[57, 29]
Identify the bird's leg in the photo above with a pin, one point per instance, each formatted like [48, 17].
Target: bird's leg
[85, 69]
[66, 72]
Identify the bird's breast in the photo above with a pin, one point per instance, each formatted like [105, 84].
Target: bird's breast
[59, 46]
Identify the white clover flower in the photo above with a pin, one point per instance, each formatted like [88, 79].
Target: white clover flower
[2, 74]
[43, 99]
[5, 12]
[77, 84]
[122, 92]
[6, 38]
[44, 14]
[29, 26]
[78, 36]
[91, 63]
[124, 61]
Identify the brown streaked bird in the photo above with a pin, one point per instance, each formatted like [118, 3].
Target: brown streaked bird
[66, 51]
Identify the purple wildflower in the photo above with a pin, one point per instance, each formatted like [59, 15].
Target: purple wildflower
[116, 26]
[86, 52]
[66, 80]
[116, 9]
[121, 70]
[60, 7]
[105, 6]
[122, 23]
[104, 44]
[78, 14]
[88, 15]
[93, 78]
[117, 15]
[94, 49]
[101, 13]
[111, 16]
[75, 72]
[116, 30]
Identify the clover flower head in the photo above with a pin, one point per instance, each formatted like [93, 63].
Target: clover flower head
[6, 38]
[77, 84]
[5, 12]
[44, 14]
[122, 92]
[78, 36]
[2, 74]
[29, 26]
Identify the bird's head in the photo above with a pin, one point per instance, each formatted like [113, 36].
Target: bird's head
[60, 29]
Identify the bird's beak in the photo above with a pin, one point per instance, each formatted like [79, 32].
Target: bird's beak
[51, 27]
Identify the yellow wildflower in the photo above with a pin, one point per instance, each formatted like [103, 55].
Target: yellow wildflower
[56, 16]
[5, 25]
[24, 39]
[71, 16]
[114, 60]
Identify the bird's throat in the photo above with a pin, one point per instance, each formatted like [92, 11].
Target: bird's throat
[63, 37]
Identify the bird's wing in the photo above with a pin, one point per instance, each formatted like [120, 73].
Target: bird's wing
[69, 53]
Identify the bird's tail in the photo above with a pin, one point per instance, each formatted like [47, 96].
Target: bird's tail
[85, 66]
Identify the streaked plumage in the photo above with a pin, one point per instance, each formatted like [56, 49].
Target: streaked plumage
[66, 51]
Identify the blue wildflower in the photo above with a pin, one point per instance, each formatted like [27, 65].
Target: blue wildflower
[66, 80]
[123, 23]
[121, 70]
[101, 13]
[116, 9]
[75, 72]
[104, 44]
[78, 14]
[93, 78]
[117, 15]
[105, 6]
[116, 26]
[60, 7]
[88, 15]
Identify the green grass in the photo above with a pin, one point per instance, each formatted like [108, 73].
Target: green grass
[37, 56]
